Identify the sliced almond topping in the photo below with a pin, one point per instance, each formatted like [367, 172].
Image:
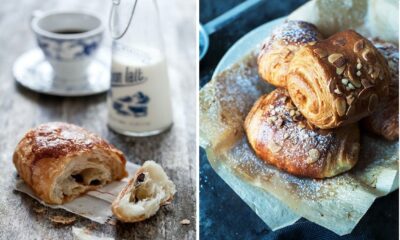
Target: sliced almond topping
[340, 106]
[355, 82]
[358, 73]
[337, 59]
[339, 71]
[370, 69]
[350, 73]
[313, 155]
[359, 65]
[337, 91]
[320, 52]
[334, 56]
[373, 102]
[345, 81]
[273, 147]
[350, 99]
[366, 83]
[375, 72]
[286, 135]
[358, 46]
[351, 86]
[368, 55]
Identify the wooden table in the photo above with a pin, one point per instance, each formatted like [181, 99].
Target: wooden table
[21, 109]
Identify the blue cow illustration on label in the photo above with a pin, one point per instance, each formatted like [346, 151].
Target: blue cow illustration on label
[135, 105]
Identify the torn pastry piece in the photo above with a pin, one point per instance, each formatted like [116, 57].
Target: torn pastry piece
[278, 49]
[385, 120]
[340, 86]
[281, 136]
[61, 161]
[141, 198]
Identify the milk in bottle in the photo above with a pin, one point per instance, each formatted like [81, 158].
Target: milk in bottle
[139, 101]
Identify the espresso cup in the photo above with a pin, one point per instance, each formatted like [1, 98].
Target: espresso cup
[69, 41]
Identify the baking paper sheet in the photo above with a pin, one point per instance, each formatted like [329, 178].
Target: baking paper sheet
[279, 198]
[95, 205]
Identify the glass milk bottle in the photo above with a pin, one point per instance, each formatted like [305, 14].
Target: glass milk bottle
[138, 101]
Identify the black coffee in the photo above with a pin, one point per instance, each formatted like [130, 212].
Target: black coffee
[70, 31]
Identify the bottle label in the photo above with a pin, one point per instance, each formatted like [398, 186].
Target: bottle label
[135, 105]
[132, 77]
[139, 98]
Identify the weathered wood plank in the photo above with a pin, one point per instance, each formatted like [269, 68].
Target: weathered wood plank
[21, 109]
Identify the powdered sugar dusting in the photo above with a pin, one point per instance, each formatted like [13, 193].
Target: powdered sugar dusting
[343, 199]
[295, 32]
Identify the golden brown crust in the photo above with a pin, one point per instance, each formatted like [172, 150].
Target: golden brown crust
[46, 152]
[385, 120]
[339, 80]
[279, 49]
[281, 136]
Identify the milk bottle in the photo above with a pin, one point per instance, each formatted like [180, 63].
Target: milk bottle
[139, 101]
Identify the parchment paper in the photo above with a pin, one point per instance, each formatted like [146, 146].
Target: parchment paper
[277, 197]
[95, 205]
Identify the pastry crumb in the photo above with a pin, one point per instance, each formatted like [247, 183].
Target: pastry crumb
[82, 234]
[112, 222]
[185, 222]
[62, 220]
[39, 210]
[89, 228]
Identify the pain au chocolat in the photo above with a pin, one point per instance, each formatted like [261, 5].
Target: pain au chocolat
[144, 194]
[279, 48]
[385, 120]
[61, 161]
[339, 80]
[281, 136]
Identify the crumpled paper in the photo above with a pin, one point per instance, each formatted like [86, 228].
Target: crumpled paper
[278, 198]
[95, 205]
[337, 203]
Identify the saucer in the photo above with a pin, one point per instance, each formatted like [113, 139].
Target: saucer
[32, 71]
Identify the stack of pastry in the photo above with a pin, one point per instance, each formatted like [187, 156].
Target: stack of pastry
[308, 126]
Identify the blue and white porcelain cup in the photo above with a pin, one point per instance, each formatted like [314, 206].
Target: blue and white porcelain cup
[69, 40]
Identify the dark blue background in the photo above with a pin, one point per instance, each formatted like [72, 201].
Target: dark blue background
[223, 215]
